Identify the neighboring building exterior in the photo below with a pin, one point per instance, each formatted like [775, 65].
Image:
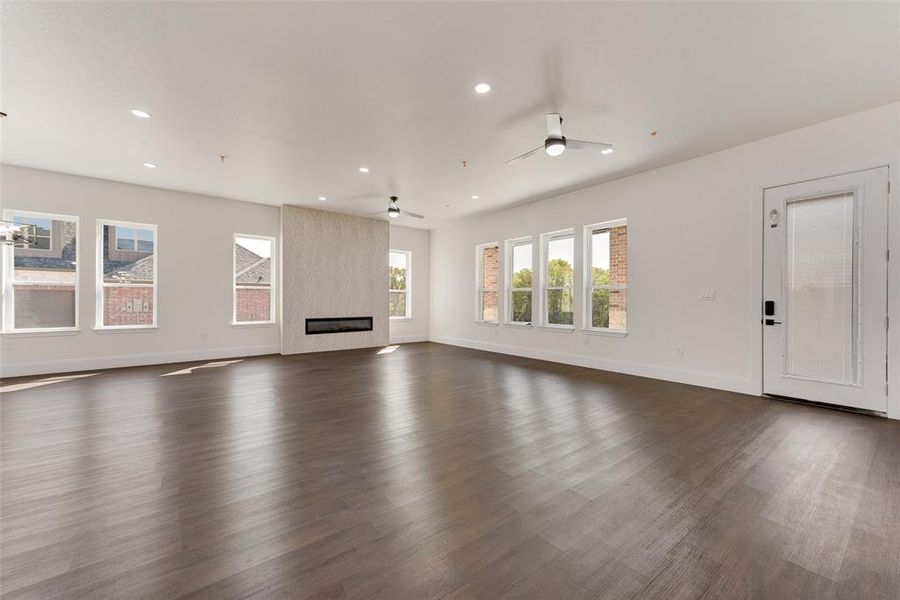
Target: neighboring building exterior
[253, 286]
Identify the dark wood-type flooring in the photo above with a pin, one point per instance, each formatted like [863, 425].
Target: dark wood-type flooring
[436, 472]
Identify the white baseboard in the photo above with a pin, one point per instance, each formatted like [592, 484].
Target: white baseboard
[408, 339]
[731, 383]
[131, 360]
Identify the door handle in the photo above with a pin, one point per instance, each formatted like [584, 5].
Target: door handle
[772, 322]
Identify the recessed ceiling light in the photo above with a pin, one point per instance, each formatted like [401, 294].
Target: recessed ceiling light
[606, 151]
[482, 88]
[364, 169]
[143, 114]
[150, 165]
[474, 196]
[322, 198]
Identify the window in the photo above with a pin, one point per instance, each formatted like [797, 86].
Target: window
[40, 281]
[520, 280]
[135, 240]
[487, 272]
[559, 278]
[253, 300]
[126, 282]
[400, 301]
[607, 255]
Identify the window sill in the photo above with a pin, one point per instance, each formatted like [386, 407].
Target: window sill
[488, 323]
[127, 329]
[401, 318]
[26, 333]
[605, 332]
[559, 328]
[522, 325]
[253, 323]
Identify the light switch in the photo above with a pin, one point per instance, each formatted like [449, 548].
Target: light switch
[706, 295]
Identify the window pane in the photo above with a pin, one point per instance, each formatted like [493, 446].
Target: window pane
[608, 309]
[490, 267]
[50, 272]
[560, 264]
[253, 304]
[252, 279]
[128, 299]
[397, 270]
[127, 305]
[43, 306]
[397, 307]
[618, 255]
[521, 307]
[144, 246]
[124, 238]
[521, 266]
[820, 280]
[559, 307]
[600, 308]
[489, 306]
[600, 257]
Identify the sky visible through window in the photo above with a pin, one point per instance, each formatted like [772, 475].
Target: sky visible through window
[600, 250]
[521, 257]
[261, 248]
[398, 260]
[563, 248]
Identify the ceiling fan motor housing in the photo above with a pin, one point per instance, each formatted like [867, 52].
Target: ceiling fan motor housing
[554, 146]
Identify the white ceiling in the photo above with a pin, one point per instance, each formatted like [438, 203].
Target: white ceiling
[298, 96]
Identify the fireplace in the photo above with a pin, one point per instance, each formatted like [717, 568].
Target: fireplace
[338, 325]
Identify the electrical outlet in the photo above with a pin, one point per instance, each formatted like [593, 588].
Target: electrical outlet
[679, 351]
[129, 307]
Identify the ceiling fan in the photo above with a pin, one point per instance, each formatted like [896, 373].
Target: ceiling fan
[556, 143]
[394, 210]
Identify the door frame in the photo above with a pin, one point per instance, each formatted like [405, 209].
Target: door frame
[893, 406]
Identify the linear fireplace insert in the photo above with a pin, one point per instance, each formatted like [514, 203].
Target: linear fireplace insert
[338, 325]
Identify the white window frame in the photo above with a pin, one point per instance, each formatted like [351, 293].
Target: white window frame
[408, 288]
[479, 280]
[589, 286]
[546, 238]
[8, 267]
[511, 245]
[272, 280]
[100, 284]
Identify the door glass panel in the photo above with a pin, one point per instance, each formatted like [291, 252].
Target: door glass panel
[821, 309]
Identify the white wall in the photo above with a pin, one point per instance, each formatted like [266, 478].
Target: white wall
[692, 225]
[195, 274]
[334, 265]
[417, 241]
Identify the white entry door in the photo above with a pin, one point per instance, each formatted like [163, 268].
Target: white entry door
[825, 290]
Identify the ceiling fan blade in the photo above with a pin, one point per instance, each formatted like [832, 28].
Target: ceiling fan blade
[554, 125]
[583, 145]
[526, 155]
[412, 214]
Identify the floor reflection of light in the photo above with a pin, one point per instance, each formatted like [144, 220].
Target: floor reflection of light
[209, 365]
[16, 387]
[387, 349]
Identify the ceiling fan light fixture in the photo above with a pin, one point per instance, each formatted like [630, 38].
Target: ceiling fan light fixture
[555, 146]
[393, 212]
